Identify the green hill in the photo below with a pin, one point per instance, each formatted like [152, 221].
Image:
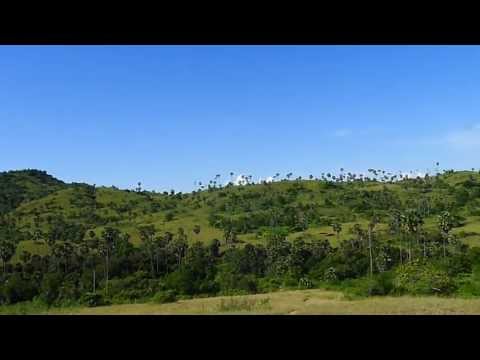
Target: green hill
[374, 235]
[302, 208]
[17, 187]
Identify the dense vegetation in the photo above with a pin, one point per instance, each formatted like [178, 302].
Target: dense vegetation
[381, 234]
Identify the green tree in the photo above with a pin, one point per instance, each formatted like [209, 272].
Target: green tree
[196, 229]
[413, 222]
[147, 235]
[7, 250]
[337, 228]
[107, 245]
[445, 223]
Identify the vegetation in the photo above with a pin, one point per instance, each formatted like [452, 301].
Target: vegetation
[64, 245]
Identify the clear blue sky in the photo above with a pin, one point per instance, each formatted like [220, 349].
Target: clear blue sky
[170, 115]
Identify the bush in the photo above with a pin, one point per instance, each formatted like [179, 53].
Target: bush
[379, 285]
[50, 288]
[419, 278]
[469, 285]
[268, 284]
[305, 283]
[163, 297]
[230, 282]
[134, 287]
[456, 264]
[169, 216]
[92, 300]
[182, 281]
[243, 304]
[16, 289]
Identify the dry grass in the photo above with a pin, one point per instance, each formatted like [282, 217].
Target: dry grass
[296, 303]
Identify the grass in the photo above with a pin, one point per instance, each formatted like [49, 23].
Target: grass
[301, 302]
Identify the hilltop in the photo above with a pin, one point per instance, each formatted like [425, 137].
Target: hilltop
[17, 187]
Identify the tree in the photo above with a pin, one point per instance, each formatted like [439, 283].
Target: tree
[445, 223]
[196, 229]
[147, 235]
[396, 227]
[93, 252]
[25, 256]
[7, 250]
[9, 237]
[178, 246]
[337, 228]
[412, 221]
[371, 227]
[107, 246]
[360, 233]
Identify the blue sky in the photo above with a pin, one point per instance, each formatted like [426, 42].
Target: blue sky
[171, 115]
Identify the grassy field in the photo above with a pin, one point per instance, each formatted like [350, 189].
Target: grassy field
[301, 302]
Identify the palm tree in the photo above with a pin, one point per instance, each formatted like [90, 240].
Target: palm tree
[357, 230]
[7, 250]
[109, 236]
[371, 228]
[396, 225]
[413, 221]
[445, 223]
[93, 254]
[147, 235]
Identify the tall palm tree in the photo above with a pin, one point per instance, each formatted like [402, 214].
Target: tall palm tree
[413, 222]
[445, 223]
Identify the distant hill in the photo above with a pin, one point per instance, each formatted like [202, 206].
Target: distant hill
[301, 208]
[17, 187]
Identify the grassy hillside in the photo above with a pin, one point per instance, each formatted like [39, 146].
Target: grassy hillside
[79, 244]
[250, 208]
[17, 187]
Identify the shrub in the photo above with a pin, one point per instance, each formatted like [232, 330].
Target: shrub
[16, 289]
[243, 304]
[92, 300]
[268, 284]
[182, 281]
[305, 283]
[163, 297]
[134, 287]
[50, 288]
[379, 285]
[421, 278]
[230, 282]
[169, 216]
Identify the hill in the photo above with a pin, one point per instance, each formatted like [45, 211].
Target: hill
[375, 235]
[303, 209]
[17, 187]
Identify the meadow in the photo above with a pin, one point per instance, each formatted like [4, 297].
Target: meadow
[300, 302]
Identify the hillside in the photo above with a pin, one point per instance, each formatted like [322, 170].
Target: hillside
[376, 235]
[17, 187]
[302, 208]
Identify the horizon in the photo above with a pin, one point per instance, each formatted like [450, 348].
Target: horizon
[240, 180]
[171, 116]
